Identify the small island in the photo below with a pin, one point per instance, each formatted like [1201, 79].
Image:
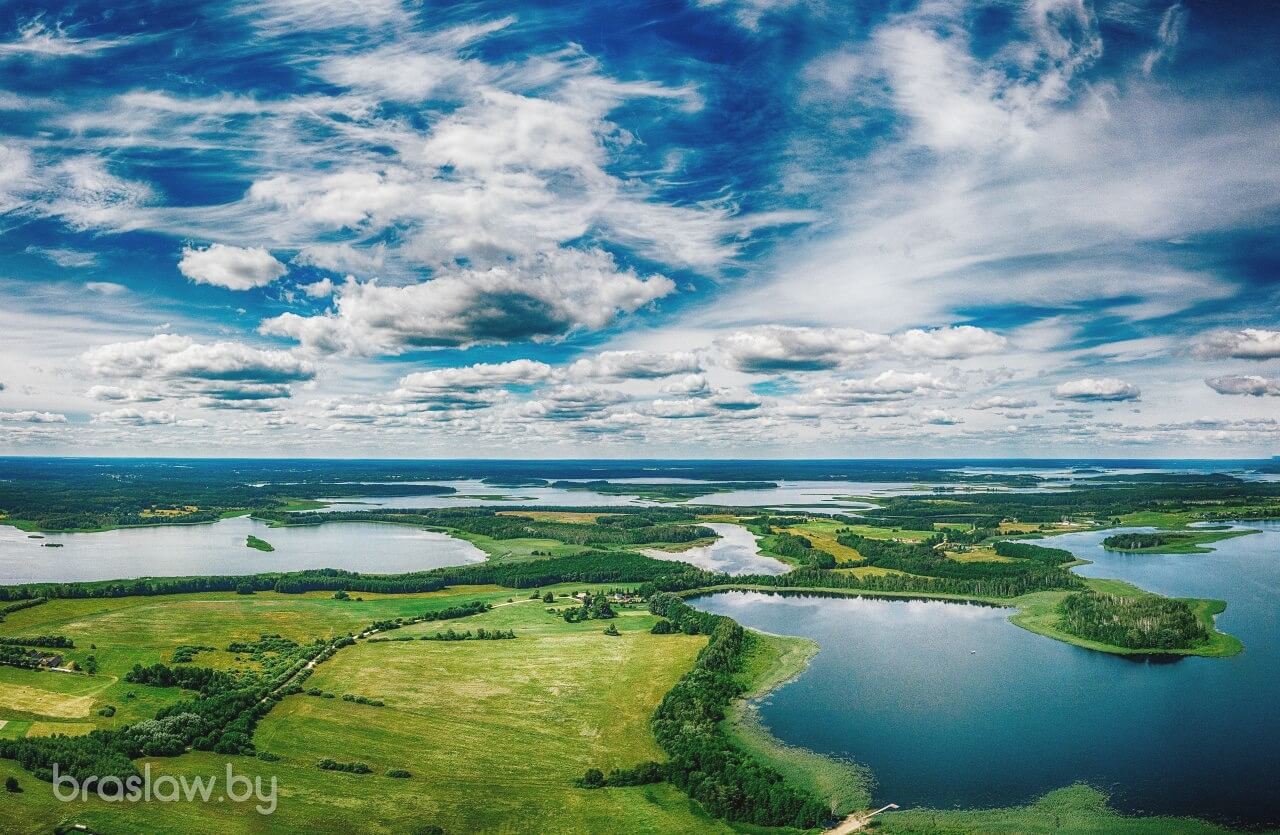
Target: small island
[261, 544]
[1170, 542]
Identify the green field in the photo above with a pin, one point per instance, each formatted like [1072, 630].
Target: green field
[493, 732]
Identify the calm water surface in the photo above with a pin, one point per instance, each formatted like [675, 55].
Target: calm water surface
[737, 551]
[219, 548]
[951, 705]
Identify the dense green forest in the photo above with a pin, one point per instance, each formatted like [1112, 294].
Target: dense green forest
[1141, 622]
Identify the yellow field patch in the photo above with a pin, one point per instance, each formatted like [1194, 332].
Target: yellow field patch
[869, 571]
[976, 555]
[67, 728]
[34, 700]
[824, 541]
[572, 516]
[1019, 527]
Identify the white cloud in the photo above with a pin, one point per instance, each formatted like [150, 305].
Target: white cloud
[1172, 24]
[1102, 389]
[573, 402]
[105, 288]
[1249, 343]
[949, 343]
[540, 298]
[775, 348]
[216, 375]
[616, 366]
[322, 289]
[67, 258]
[1250, 384]
[690, 385]
[122, 394]
[442, 383]
[232, 267]
[886, 386]
[343, 258]
[39, 40]
[28, 416]
[136, 417]
[1001, 402]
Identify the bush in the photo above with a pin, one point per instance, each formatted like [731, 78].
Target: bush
[399, 773]
[11, 784]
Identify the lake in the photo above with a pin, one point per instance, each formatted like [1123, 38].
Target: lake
[898, 685]
[736, 551]
[219, 548]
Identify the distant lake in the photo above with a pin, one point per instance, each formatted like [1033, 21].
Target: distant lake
[737, 551]
[897, 685]
[219, 548]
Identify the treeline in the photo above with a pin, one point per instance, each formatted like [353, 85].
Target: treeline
[651, 526]
[923, 559]
[703, 761]
[1145, 622]
[202, 679]
[55, 641]
[1101, 499]
[1029, 551]
[19, 604]
[800, 550]
[1135, 541]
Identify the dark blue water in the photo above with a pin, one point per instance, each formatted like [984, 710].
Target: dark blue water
[897, 685]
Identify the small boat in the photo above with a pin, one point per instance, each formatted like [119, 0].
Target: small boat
[973, 652]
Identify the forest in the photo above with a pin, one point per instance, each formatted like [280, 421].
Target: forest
[1140, 622]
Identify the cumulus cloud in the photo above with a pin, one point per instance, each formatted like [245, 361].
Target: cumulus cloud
[1246, 344]
[939, 417]
[775, 348]
[169, 356]
[1001, 402]
[1250, 384]
[778, 348]
[1099, 389]
[136, 417]
[690, 385]
[886, 386]
[122, 394]
[949, 343]
[232, 267]
[470, 387]
[616, 366]
[572, 402]
[32, 417]
[544, 297]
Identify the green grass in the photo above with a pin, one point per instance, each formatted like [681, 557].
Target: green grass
[258, 544]
[1075, 809]
[493, 732]
[1038, 612]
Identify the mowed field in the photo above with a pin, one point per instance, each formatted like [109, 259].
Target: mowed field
[494, 733]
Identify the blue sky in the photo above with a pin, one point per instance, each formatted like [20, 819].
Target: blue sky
[735, 229]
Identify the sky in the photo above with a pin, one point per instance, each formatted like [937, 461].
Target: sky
[714, 228]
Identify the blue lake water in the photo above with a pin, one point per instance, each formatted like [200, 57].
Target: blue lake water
[898, 685]
[219, 548]
[737, 551]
